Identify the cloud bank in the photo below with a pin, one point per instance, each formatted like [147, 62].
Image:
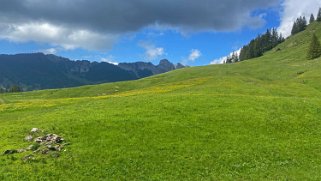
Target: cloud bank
[96, 24]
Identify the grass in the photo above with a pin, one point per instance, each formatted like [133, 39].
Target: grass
[254, 120]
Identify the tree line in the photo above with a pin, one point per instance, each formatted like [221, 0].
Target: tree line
[14, 88]
[301, 23]
[261, 44]
[314, 50]
[269, 40]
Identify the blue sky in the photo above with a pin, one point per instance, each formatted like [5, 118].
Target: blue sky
[180, 41]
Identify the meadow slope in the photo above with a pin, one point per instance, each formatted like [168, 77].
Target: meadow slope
[255, 120]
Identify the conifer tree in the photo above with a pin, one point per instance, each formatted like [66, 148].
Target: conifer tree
[314, 48]
[319, 15]
[15, 88]
[304, 22]
[261, 44]
[2, 90]
[312, 19]
[299, 25]
[235, 57]
[228, 60]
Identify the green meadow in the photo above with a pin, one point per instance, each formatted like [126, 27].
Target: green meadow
[255, 120]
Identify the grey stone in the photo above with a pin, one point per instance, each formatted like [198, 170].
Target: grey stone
[21, 150]
[28, 138]
[39, 140]
[45, 151]
[28, 157]
[34, 130]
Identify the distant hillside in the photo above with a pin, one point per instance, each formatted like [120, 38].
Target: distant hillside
[144, 69]
[40, 71]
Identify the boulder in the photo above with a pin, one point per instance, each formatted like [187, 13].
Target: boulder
[39, 140]
[34, 130]
[28, 138]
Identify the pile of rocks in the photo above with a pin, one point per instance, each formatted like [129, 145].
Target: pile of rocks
[43, 144]
[51, 142]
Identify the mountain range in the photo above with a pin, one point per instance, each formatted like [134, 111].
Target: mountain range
[40, 71]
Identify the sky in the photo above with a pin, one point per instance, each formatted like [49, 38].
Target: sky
[194, 33]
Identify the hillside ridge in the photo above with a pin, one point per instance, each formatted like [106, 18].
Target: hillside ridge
[285, 62]
[39, 71]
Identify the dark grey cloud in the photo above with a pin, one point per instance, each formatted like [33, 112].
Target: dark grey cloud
[114, 17]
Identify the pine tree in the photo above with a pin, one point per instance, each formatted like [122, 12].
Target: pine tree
[15, 88]
[314, 48]
[299, 25]
[235, 57]
[319, 15]
[261, 44]
[312, 19]
[304, 23]
[2, 90]
[281, 38]
[228, 60]
[295, 27]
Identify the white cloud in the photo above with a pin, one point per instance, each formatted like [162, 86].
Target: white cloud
[64, 37]
[109, 59]
[50, 51]
[192, 57]
[218, 61]
[151, 51]
[195, 54]
[223, 59]
[293, 9]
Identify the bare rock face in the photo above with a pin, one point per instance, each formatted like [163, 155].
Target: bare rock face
[179, 66]
[165, 66]
[144, 69]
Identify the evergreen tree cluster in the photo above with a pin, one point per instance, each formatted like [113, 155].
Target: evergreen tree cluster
[314, 48]
[232, 58]
[14, 88]
[272, 38]
[312, 19]
[2, 90]
[299, 25]
[319, 15]
[261, 44]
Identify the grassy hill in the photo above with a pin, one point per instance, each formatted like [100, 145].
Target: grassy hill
[255, 120]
